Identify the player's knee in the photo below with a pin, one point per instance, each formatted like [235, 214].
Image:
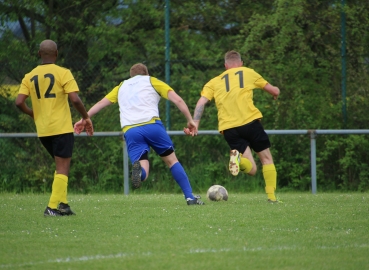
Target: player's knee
[144, 156]
[167, 153]
[253, 171]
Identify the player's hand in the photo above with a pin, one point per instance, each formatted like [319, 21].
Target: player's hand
[187, 131]
[88, 126]
[275, 96]
[191, 128]
[79, 127]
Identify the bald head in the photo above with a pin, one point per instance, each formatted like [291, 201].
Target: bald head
[48, 50]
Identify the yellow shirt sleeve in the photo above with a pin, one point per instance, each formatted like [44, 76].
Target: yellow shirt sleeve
[161, 87]
[260, 82]
[112, 96]
[24, 87]
[69, 83]
[207, 91]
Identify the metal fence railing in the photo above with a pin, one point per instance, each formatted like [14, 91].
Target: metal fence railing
[311, 132]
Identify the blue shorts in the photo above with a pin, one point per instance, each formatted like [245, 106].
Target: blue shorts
[140, 139]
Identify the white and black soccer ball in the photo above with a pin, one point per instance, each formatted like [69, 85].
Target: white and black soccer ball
[217, 193]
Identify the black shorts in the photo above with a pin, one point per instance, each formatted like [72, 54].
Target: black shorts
[59, 145]
[251, 134]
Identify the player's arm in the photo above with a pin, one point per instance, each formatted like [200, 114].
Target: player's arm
[273, 90]
[78, 126]
[78, 104]
[182, 106]
[20, 102]
[99, 106]
[110, 98]
[199, 110]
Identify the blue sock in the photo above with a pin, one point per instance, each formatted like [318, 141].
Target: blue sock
[143, 174]
[181, 178]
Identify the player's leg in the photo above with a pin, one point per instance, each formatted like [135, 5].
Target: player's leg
[159, 140]
[247, 162]
[269, 173]
[180, 176]
[140, 170]
[60, 185]
[241, 158]
[260, 143]
[178, 172]
[61, 148]
[51, 209]
[138, 150]
[145, 167]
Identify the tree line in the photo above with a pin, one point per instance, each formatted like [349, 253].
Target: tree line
[295, 45]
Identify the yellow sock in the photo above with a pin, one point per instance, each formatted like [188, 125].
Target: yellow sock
[270, 178]
[63, 199]
[58, 188]
[245, 164]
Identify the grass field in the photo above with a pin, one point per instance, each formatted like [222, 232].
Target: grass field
[323, 231]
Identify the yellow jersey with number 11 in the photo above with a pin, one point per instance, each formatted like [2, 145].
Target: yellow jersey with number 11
[233, 94]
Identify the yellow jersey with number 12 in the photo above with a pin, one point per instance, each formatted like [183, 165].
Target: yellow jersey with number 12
[48, 86]
[233, 94]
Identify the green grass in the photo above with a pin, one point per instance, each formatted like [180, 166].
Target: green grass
[159, 231]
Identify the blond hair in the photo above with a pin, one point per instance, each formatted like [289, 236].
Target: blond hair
[138, 69]
[232, 56]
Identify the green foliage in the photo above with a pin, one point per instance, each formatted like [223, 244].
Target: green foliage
[106, 175]
[345, 156]
[295, 45]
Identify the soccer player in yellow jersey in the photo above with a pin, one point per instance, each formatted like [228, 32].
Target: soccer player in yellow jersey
[239, 119]
[138, 99]
[49, 87]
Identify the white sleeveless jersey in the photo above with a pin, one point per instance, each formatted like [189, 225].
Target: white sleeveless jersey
[138, 99]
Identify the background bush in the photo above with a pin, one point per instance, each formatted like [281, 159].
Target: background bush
[295, 45]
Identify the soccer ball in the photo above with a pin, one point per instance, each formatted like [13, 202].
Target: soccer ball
[217, 193]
